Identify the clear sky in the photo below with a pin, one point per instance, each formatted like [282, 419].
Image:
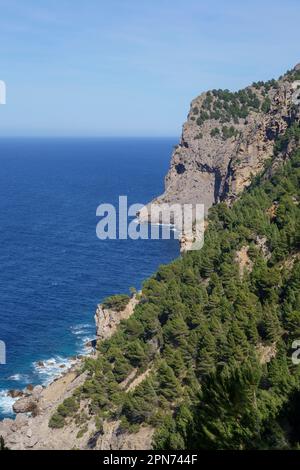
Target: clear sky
[131, 67]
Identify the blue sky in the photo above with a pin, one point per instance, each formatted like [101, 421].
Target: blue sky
[129, 67]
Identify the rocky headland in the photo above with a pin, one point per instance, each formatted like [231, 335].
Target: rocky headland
[226, 141]
[35, 405]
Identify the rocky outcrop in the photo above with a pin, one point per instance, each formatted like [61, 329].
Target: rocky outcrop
[31, 431]
[114, 438]
[35, 407]
[107, 320]
[15, 393]
[266, 353]
[226, 140]
[220, 150]
[29, 403]
[27, 432]
[244, 261]
[25, 405]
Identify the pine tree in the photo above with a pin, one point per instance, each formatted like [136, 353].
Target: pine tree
[168, 384]
[206, 359]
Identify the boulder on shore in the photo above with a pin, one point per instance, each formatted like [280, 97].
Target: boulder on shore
[15, 393]
[25, 405]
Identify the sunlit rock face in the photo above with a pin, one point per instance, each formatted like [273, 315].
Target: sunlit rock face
[226, 140]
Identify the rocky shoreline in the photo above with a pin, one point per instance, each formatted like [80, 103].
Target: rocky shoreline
[34, 406]
[219, 154]
[29, 428]
[29, 394]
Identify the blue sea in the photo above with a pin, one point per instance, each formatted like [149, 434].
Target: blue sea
[53, 268]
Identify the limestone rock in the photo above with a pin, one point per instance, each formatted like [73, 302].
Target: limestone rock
[266, 353]
[15, 393]
[206, 167]
[107, 320]
[114, 438]
[32, 442]
[36, 392]
[25, 405]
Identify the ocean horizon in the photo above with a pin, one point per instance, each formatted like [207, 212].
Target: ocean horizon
[54, 270]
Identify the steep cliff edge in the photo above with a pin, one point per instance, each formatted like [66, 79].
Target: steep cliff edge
[108, 319]
[226, 140]
[30, 430]
[202, 357]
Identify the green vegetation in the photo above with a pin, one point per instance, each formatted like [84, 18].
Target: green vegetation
[291, 136]
[2, 444]
[229, 132]
[265, 87]
[82, 432]
[67, 409]
[266, 106]
[116, 302]
[226, 106]
[293, 75]
[225, 133]
[201, 328]
[215, 132]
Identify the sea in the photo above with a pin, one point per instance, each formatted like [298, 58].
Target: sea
[54, 270]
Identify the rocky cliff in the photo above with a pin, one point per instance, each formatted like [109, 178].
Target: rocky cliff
[148, 376]
[226, 140]
[30, 430]
[107, 320]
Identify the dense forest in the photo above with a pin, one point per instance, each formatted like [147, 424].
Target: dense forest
[213, 332]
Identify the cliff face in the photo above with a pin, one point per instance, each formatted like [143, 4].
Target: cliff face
[135, 385]
[30, 430]
[226, 140]
[107, 320]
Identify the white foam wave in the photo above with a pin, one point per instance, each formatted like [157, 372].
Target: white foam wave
[19, 378]
[155, 224]
[84, 348]
[80, 329]
[52, 368]
[87, 339]
[6, 403]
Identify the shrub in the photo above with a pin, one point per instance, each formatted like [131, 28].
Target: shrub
[2, 444]
[56, 421]
[266, 106]
[82, 432]
[214, 132]
[116, 302]
[229, 132]
[66, 409]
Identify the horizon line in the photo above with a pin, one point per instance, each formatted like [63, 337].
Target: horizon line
[88, 136]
